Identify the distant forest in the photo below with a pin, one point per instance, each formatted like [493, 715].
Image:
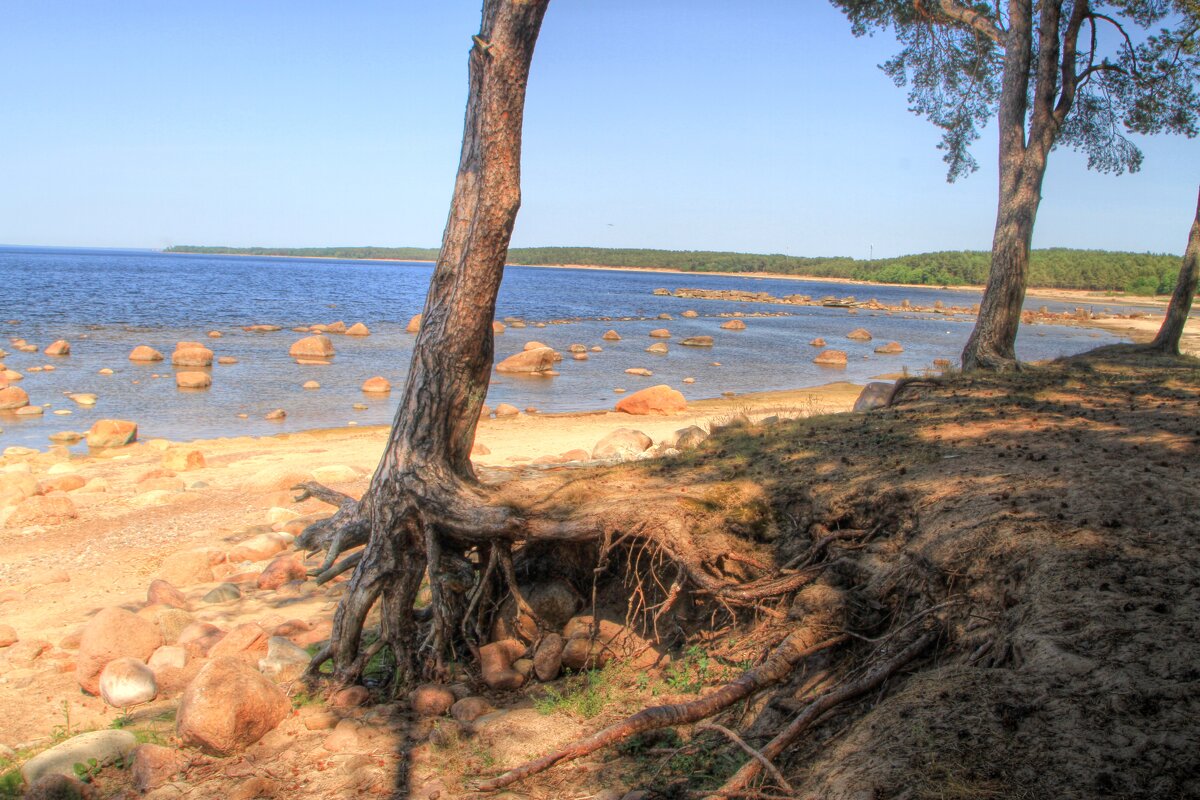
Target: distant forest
[1057, 267]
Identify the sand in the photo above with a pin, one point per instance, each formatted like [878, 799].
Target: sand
[53, 577]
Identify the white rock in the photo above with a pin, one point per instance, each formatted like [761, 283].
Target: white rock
[127, 682]
[104, 746]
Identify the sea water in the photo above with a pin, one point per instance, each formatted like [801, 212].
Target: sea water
[106, 302]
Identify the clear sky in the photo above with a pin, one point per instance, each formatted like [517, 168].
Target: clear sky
[759, 126]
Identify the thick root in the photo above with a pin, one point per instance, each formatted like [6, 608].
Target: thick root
[826, 609]
[826, 701]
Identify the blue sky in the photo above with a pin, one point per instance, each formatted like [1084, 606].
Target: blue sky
[756, 126]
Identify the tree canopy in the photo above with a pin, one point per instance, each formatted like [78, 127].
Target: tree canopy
[1130, 66]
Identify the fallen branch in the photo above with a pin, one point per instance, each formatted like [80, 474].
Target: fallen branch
[777, 667]
[834, 697]
[750, 751]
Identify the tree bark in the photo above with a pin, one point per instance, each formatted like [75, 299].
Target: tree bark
[424, 502]
[1167, 340]
[992, 344]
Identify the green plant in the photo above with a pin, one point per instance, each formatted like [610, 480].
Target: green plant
[11, 785]
[60, 732]
[586, 695]
[690, 673]
[86, 771]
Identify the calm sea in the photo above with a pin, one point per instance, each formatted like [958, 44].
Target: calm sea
[105, 302]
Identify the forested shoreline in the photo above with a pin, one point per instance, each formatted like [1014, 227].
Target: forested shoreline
[1057, 267]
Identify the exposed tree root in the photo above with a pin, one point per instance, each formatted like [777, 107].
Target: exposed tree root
[750, 751]
[827, 607]
[826, 701]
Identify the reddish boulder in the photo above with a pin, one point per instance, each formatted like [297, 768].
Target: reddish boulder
[414, 324]
[42, 510]
[733, 325]
[163, 593]
[112, 433]
[228, 706]
[193, 380]
[377, 385]
[247, 641]
[60, 348]
[312, 347]
[12, 397]
[193, 355]
[280, 571]
[529, 362]
[145, 353]
[661, 399]
[113, 633]
[831, 358]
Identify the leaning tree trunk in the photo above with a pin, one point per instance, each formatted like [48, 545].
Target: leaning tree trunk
[1167, 340]
[423, 508]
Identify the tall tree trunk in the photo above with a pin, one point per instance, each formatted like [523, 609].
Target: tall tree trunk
[992, 344]
[1167, 340]
[423, 507]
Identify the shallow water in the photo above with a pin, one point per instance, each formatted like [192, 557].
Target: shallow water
[106, 302]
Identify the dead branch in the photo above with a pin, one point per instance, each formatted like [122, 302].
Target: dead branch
[830, 699]
[750, 751]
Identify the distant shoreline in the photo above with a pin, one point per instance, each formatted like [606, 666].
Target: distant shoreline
[1044, 293]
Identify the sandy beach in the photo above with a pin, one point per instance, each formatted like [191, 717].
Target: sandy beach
[132, 512]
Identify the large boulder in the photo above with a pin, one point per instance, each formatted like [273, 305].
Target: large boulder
[611, 336]
[875, 394]
[831, 358]
[733, 325]
[42, 510]
[192, 356]
[593, 643]
[859, 335]
[529, 362]
[60, 348]
[193, 380]
[280, 571]
[145, 353]
[228, 706]
[312, 347]
[660, 333]
[622, 443]
[188, 567]
[698, 341]
[661, 399]
[377, 385]
[112, 433]
[890, 349]
[107, 747]
[111, 634]
[495, 662]
[687, 438]
[13, 397]
[358, 329]
[414, 324]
